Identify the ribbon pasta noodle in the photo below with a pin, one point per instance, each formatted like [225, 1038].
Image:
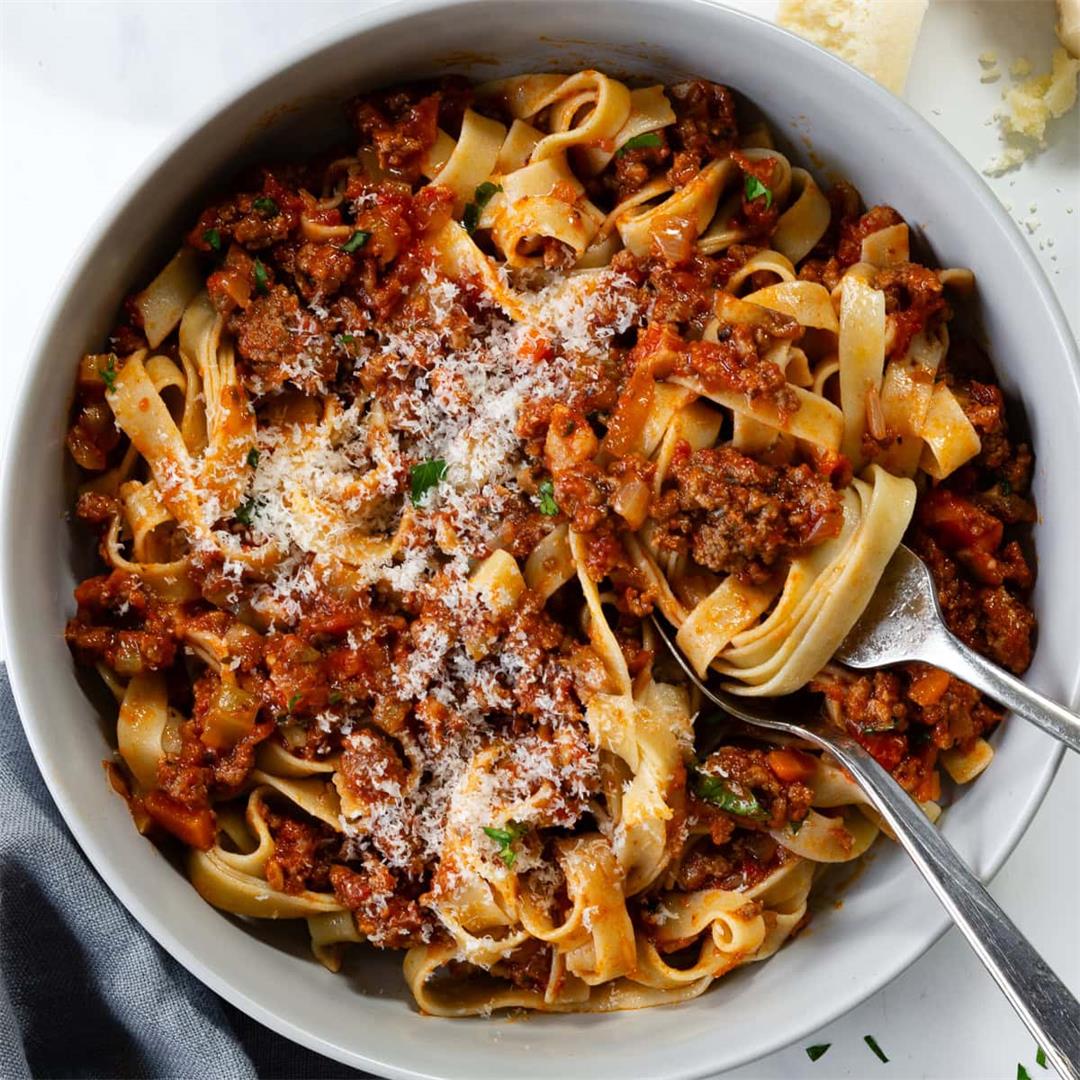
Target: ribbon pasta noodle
[389, 465]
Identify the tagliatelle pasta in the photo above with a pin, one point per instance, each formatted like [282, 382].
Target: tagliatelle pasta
[390, 464]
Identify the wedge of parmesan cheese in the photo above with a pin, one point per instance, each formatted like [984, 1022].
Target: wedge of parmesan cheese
[876, 36]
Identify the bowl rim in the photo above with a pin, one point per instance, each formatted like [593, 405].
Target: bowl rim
[18, 657]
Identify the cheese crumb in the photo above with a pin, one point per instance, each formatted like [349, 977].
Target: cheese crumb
[1020, 67]
[1029, 107]
[988, 59]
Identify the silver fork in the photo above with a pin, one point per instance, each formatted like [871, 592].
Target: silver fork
[1040, 998]
[903, 621]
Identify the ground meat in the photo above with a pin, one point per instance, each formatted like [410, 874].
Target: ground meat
[387, 919]
[96, 508]
[734, 362]
[320, 269]
[740, 516]
[758, 213]
[303, 853]
[401, 125]
[749, 772]
[279, 342]
[905, 717]
[93, 436]
[527, 967]
[634, 168]
[199, 772]
[119, 623]
[913, 296]
[372, 770]
[704, 127]
[254, 219]
[854, 230]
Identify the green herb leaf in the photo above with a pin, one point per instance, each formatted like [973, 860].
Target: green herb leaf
[335, 697]
[647, 138]
[345, 339]
[213, 238]
[548, 505]
[754, 189]
[1040, 1057]
[425, 475]
[266, 206]
[108, 372]
[295, 700]
[505, 839]
[253, 458]
[1005, 486]
[261, 279]
[244, 511]
[1021, 1072]
[715, 790]
[356, 241]
[872, 1043]
[814, 1052]
[481, 197]
[485, 192]
[796, 826]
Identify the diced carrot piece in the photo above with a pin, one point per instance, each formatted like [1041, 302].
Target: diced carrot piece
[929, 687]
[791, 765]
[196, 827]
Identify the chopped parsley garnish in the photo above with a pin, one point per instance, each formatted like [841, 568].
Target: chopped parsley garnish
[261, 280]
[244, 511]
[213, 239]
[505, 839]
[548, 505]
[481, 197]
[108, 372]
[1005, 486]
[647, 138]
[797, 825]
[345, 339]
[424, 476]
[872, 1043]
[713, 789]
[335, 697]
[814, 1052]
[1021, 1072]
[295, 700]
[754, 189]
[253, 458]
[1040, 1057]
[356, 241]
[266, 205]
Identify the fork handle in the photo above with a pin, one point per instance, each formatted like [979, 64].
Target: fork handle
[1046, 1006]
[955, 657]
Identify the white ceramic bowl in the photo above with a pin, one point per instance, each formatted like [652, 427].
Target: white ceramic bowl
[364, 1017]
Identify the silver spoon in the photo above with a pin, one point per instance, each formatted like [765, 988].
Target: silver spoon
[903, 621]
[1040, 998]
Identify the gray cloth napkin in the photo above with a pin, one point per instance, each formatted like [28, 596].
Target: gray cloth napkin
[84, 990]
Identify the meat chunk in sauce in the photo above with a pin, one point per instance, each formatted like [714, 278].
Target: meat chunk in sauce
[278, 342]
[740, 516]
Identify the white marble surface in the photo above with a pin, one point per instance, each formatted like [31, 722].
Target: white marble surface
[87, 90]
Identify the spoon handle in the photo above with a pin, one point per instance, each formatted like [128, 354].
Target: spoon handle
[954, 656]
[1041, 1000]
